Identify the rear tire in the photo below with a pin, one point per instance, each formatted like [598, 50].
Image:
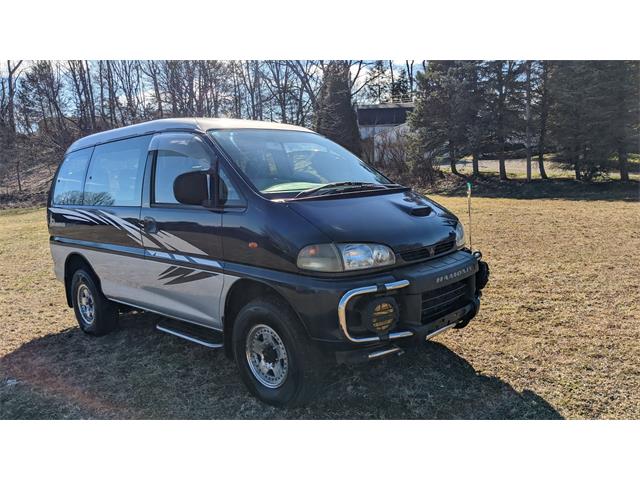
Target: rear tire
[96, 315]
[277, 362]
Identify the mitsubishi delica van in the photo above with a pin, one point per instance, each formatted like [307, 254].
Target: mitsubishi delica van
[266, 240]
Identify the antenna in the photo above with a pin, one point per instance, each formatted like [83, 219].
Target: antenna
[469, 210]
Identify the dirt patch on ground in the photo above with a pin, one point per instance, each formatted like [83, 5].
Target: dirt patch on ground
[558, 335]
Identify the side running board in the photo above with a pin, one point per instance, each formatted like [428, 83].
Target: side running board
[207, 337]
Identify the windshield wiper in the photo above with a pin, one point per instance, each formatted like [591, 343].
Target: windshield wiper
[335, 185]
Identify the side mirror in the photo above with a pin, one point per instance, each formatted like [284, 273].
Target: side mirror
[192, 188]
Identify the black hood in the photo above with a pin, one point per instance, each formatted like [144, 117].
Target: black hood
[403, 220]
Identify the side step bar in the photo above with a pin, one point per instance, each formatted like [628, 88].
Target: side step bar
[207, 337]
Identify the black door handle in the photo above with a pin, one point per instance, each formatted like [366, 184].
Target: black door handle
[149, 224]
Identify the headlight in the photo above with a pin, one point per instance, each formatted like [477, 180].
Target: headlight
[321, 258]
[459, 235]
[344, 257]
[357, 256]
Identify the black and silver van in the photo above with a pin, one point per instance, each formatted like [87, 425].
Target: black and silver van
[264, 239]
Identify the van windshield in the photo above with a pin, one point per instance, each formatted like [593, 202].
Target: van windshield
[284, 163]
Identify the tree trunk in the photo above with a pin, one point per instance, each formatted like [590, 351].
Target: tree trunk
[452, 158]
[18, 174]
[92, 102]
[543, 172]
[528, 117]
[544, 113]
[475, 163]
[622, 159]
[503, 170]
[12, 78]
[501, 148]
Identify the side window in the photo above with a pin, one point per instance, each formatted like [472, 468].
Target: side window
[228, 193]
[68, 187]
[178, 153]
[115, 173]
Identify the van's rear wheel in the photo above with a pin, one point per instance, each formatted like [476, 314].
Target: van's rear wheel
[96, 315]
[277, 362]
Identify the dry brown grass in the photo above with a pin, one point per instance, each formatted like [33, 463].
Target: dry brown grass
[558, 335]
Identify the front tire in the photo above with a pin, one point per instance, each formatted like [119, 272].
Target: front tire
[96, 315]
[277, 362]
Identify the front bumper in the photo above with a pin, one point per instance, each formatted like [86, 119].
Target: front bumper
[332, 310]
[455, 306]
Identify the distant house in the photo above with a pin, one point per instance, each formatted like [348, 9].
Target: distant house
[380, 124]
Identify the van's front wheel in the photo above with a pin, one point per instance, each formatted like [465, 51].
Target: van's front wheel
[277, 362]
[96, 315]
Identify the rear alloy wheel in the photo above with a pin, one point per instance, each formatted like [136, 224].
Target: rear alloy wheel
[96, 315]
[86, 305]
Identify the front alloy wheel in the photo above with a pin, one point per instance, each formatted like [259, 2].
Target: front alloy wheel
[276, 360]
[267, 356]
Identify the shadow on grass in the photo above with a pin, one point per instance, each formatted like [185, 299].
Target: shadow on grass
[137, 372]
[489, 185]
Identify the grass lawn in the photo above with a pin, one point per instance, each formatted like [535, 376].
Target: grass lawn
[558, 335]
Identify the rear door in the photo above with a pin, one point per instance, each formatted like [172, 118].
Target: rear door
[101, 221]
[183, 246]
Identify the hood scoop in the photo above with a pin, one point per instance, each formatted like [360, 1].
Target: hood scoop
[421, 211]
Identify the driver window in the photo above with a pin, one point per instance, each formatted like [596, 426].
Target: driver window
[177, 153]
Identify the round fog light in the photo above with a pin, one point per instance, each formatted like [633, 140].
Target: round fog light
[381, 315]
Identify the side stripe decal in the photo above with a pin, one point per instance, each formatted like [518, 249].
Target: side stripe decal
[156, 240]
[141, 252]
[178, 275]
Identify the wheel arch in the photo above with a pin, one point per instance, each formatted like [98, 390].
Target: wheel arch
[242, 292]
[74, 261]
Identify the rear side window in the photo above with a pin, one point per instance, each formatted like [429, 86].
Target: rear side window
[178, 153]
[115, 173]
[68, 187]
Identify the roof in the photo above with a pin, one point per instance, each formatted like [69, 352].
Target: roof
[194, 124]
[384, 113]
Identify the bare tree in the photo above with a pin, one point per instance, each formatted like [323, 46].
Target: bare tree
[410, 74]
[527, 110]
[151, 69]
[7, 96]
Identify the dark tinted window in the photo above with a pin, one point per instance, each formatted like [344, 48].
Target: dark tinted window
[115, 174]
[178, 153]
[68, 187]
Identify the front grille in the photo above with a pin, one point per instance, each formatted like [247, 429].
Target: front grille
[444, 300]
[427, 252]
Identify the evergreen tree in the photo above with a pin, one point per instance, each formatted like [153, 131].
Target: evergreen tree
[400, 86]
[378, 83]
[504, 102]
[444, 111]
[621, 108]
[477, 112]
[335, 115]
[581, 116]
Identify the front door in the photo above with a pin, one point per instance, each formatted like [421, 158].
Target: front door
[183, 247]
